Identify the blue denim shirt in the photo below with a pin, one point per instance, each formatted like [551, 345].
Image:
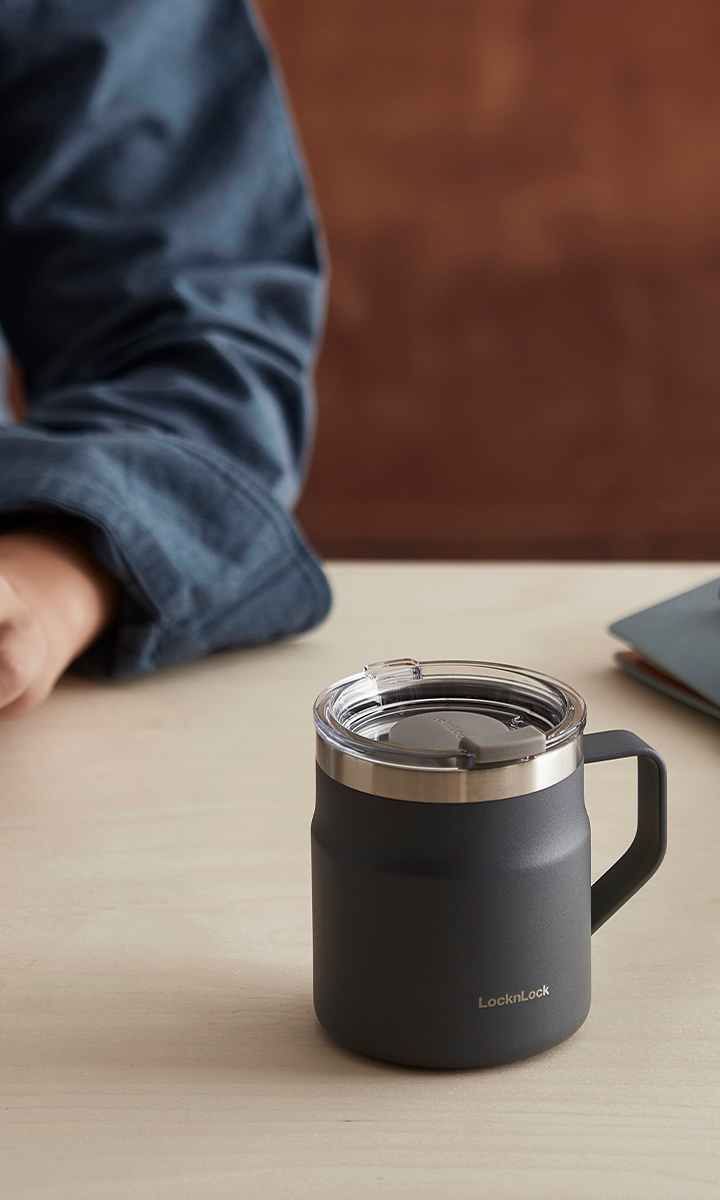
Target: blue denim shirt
[162, 290]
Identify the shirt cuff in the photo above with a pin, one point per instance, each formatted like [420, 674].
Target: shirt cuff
[205, 557]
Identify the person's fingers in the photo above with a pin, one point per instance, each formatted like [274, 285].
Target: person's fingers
[54, 601]
[22, 658]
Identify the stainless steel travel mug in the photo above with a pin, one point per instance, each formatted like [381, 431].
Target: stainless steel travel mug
[452, 906]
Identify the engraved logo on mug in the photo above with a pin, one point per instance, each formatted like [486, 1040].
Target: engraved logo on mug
[517, 998]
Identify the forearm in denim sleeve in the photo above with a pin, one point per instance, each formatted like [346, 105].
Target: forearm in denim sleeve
[162, 291]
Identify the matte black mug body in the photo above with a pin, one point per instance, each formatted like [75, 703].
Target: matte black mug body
[458, 935]
[451, 935]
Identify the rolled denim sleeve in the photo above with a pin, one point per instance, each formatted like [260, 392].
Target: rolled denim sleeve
[162, 290]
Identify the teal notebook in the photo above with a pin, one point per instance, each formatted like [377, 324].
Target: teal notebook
[676, 647]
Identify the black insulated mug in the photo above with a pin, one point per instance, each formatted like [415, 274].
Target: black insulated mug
[452, 906]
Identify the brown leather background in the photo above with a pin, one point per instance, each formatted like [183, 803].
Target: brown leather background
[522, 203]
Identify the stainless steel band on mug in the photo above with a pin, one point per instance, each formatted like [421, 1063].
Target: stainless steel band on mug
[448, 785]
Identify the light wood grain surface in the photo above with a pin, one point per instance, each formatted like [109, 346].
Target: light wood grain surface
[158, 1038]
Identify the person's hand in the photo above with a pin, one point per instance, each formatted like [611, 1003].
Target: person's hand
[54, 602]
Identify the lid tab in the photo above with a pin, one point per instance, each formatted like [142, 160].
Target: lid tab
[396, 672]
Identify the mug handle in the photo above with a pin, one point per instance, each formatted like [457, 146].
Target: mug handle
[647, 850]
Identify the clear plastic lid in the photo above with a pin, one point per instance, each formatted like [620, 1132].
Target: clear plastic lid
[465, 715]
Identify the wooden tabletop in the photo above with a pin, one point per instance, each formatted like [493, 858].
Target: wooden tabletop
[158, 1038]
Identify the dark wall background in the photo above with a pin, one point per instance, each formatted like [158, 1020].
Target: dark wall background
[522, 203]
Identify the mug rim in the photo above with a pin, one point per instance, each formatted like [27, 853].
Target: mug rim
[448, 785]
[381, 769]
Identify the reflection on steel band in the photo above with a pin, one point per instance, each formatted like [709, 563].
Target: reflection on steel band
[449, 785]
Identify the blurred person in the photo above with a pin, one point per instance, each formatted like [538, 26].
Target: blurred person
[162, 295]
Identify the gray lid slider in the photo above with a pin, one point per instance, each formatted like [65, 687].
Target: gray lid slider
[489, 740]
